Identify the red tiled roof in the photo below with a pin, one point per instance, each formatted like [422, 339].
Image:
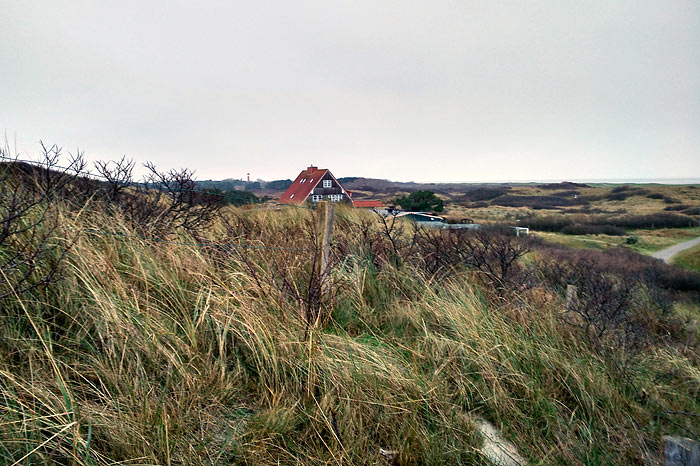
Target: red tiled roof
[367, 204]
[299, 190]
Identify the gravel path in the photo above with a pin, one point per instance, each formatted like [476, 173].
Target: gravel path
[666, 254]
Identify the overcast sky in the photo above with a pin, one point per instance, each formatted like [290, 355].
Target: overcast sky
[425, 91]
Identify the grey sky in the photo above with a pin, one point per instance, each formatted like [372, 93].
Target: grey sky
[424, 91]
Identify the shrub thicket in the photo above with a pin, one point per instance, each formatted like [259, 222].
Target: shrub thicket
[538, 202]
[620, 193]
[678, 208]
[557, 223]
[651, 221]
[583, 229]
[622, 301]
[485, 193]
[278, 185]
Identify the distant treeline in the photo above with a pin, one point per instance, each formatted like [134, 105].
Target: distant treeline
[235, 197]
[238, 185]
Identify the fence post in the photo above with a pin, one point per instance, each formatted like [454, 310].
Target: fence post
[327, 235]
[570, 296]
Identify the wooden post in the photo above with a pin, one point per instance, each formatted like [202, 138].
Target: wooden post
[570, 296]
[326, 236]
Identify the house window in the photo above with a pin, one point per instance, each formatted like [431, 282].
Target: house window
[303, 180]
[291, 197]
[311, 180]
[335, 197]
[327, 183]
[316, 197]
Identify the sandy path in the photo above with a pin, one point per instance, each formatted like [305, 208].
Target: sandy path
[666, 254]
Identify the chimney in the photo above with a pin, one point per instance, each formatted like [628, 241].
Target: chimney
[311, 169]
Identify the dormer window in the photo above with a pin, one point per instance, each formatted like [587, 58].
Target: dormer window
[327, 183]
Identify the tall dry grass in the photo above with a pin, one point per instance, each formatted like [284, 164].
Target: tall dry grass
[171, 353]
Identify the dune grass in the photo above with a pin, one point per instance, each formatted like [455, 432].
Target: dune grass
[164, 353]
[690, 258]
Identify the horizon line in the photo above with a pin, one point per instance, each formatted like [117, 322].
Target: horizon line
[660, 180]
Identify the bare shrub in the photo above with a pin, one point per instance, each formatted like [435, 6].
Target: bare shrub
[362, 241]
[393, 230]
[602, 301]
[184, 207]
[491, 251]
[623, 298]
[606, 305]
[494, 252]
[162, 202]
[437, 251]
[117, 175]
[30, 256]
